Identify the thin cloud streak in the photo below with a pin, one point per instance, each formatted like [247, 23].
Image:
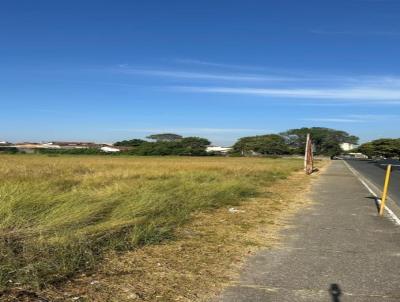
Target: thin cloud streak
[374, 116]
[356, 33]
[355, 118]
[354, 94]
[332, 120]
[387, 81]
[191, 130]
[220, 65]
[206, 76]
[293, 74]
[384, 89]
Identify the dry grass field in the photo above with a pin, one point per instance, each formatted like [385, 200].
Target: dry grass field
[64, 216]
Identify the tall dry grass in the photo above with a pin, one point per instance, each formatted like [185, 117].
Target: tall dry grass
[58, 215]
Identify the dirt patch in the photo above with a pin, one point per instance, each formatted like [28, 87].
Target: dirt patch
[203, 258]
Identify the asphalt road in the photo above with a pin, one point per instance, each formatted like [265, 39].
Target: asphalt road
[375, 171]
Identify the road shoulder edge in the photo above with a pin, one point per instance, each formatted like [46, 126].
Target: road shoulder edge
[391, 208]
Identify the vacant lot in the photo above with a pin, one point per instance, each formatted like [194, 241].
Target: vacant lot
[60, 215]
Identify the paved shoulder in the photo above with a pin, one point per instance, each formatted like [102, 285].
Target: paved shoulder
[338, 250]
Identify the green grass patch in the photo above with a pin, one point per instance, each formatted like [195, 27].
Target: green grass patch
[58, 215]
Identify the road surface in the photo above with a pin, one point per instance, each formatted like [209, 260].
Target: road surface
[375, 171]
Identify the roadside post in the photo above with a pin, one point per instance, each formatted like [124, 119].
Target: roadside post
[385, 189]
[308, 156]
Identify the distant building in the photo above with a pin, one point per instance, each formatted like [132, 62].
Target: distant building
[50, 146]
[218, 149]
[348, 146]
[109, 149]
[27, 147]
[75, 145]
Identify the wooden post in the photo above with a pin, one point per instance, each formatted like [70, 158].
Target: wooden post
[308, 156]
[305, 153]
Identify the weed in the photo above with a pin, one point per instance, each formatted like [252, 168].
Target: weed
[58, 215]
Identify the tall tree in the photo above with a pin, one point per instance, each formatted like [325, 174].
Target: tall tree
[195, 142]
[165, 137]
[183, 146]
[271, 144]
[386, 147]
[326, 141]
[130, 143]
[195, 145]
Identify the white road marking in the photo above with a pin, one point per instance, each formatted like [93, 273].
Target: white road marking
[392, 215]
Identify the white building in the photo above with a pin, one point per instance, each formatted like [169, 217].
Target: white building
[109, 149]
[348, 146]
[218, 149]
[50, 146]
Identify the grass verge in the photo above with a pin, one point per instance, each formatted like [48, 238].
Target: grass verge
[205, 256]
[62, 216]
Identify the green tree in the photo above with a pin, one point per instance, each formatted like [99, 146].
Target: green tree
[386, 147]
[130, 143]
[367, 149]
[195, 145]
[9, 150]
[165, 137]
[194, 141]
[270, 144]
[326, 141]
[330, 148]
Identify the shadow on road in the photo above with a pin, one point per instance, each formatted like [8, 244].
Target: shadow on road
[335, 292]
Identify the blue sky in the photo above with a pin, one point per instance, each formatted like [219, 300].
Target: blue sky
[110, 70]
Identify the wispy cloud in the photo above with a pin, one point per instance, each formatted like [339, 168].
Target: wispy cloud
[219, 65]
[191, 130]
[259, 69]
[356, 33]
[332, 120]
[384, 80]
[355, 94]
[376, 1]
[189, 75]
[375, 117]
[276, 76]
[355, 118]
[382, 89]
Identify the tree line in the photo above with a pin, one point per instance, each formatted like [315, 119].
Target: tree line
[326, 141]
[166, 144]
[159, 144]
[291, 142]
[384, 147]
